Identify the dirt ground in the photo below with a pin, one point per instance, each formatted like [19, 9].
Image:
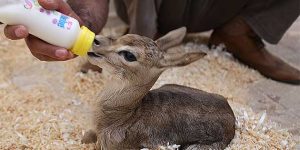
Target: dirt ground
[48, 105]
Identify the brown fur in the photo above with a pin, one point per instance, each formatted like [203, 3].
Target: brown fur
[129, 116]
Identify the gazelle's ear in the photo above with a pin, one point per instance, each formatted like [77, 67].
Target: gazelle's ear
[171, 39]
[180, 58]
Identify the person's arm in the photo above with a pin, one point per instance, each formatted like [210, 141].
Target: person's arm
[46, 52]
[93, 13]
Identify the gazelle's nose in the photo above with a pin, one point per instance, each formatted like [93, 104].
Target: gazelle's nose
[102, 41]
[97, 42]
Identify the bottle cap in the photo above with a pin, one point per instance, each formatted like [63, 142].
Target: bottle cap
[84, 42]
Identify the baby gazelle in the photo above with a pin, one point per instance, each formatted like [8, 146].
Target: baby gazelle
[129, 116]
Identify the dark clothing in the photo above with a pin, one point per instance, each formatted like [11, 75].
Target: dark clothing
[197, 15]
[268, 18]
[271, 19]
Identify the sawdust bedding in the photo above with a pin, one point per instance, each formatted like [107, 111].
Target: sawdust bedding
[55, 115]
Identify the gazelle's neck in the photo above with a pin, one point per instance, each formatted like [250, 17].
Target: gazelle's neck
[119, 100]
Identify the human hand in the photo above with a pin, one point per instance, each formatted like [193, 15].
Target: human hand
[40, 49]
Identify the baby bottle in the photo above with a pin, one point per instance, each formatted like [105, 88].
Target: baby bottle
[50, 26]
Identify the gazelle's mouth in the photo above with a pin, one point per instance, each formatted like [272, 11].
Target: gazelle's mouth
[93, 54]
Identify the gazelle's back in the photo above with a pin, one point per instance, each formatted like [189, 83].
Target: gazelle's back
[184, 116]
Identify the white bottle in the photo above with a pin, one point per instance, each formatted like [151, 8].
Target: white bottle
[50, 26]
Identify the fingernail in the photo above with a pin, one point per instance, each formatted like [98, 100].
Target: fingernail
[61, 53]
[19, 32]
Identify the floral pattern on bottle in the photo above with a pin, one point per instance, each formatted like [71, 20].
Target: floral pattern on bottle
[63, 21]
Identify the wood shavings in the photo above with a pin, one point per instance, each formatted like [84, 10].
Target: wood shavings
[267, 136]
[170, 147]
[167, 147]
[262, 119]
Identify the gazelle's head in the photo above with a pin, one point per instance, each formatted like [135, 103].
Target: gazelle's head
[140, 60]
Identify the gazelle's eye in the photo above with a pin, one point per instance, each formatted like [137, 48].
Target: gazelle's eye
[96, 42]
[128, 56]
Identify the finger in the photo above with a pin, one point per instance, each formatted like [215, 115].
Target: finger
[38, 46]
[42, 57]
[16, 32]
[60, 6]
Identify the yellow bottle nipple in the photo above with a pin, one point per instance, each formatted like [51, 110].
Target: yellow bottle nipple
[84, 42]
